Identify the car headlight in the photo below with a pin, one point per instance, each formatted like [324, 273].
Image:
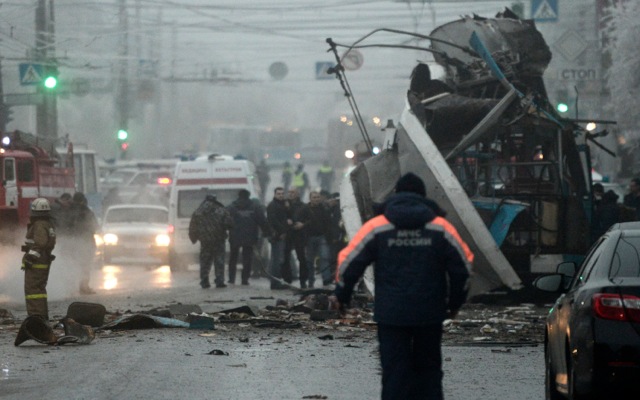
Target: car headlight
[98, 240]
[110, 239]
[163, 240]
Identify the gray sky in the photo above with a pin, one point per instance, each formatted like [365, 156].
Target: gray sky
[236, 39]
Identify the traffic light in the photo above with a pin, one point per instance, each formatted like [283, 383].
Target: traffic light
[562, 101]
[122, 135]
[50, 79]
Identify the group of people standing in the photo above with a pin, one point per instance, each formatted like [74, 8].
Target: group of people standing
[212, 224]
[313, 230]
[608, 210]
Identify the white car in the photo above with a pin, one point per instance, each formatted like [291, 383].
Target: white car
[135, 233]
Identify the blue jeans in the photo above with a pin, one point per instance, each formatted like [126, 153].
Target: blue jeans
[317, 247]
[277, 259]
[411, 359]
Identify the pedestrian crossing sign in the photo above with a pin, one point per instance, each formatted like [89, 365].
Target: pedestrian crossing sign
[30, 74]
[544, 10]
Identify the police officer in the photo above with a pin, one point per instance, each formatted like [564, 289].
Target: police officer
[325, 176]
[300, 180]
[421, 269]
[36, 262]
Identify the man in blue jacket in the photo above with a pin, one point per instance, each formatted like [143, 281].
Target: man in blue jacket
[421, 269]
[247, 217]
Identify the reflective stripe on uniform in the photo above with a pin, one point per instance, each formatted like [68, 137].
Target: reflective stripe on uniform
[355, 246]
[36, 296]
[40, 266]
[451, 234]
[298, 179]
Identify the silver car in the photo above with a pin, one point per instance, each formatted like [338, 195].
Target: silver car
[135, 233]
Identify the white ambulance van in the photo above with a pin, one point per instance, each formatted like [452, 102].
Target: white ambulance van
[221, 175]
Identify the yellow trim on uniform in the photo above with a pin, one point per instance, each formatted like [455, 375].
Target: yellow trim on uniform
[35, 296]
[40, 266]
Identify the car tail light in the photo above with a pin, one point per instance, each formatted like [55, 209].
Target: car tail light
[164, 181]
[616, 307]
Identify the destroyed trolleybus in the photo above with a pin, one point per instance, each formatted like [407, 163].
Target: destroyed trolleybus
[512, 174]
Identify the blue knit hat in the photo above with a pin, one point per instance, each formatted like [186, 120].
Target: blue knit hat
[411, 182]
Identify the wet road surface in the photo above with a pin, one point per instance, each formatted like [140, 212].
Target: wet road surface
[262, 363]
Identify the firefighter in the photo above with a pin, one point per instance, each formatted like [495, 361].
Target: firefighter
[36, 262]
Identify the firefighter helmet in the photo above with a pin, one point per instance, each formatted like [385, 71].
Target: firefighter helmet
[40, 207]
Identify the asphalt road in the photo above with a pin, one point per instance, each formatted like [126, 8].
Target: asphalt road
[262, 363]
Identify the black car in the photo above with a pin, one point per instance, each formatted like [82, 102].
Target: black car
[592, 338]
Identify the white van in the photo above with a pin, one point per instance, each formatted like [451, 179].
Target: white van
[192, 182]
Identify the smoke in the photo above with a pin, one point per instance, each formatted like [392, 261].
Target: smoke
[64, 275]
[11, 277]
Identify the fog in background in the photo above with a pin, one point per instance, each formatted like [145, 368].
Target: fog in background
[194, 65]
[64, 277]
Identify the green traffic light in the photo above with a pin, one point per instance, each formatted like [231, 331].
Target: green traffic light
[562, 107]
[50, 82]
[123, 134]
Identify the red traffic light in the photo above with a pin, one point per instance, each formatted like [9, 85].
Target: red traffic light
[124, 146]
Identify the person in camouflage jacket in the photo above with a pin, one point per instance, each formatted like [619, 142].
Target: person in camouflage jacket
[209, 224]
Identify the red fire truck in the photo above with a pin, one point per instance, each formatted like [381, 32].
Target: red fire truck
[30, 168]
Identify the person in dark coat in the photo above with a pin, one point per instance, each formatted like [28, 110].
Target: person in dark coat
[247, 217]
[84, 225]
[61, 213]
[313, 219]
[264, 177]
[632, 199]
[607, 213]
[337, 232]
[295, 241]
[287, 175]
[421, 269]
[209, 224]
[277, 218]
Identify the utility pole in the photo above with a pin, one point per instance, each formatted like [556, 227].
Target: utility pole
[47, 112]
[122, 98]
[4, 109]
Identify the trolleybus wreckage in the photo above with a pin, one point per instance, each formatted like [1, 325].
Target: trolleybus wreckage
[512, 174]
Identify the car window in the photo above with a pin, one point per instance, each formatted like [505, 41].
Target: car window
[137, 215]
[119, 177]
[141, 179]
[189, 200]
[25, 171]
[626, 259]
[587, 266]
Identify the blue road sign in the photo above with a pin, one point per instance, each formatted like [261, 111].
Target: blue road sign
[544, 10]
[30, 74]
[321, 69]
